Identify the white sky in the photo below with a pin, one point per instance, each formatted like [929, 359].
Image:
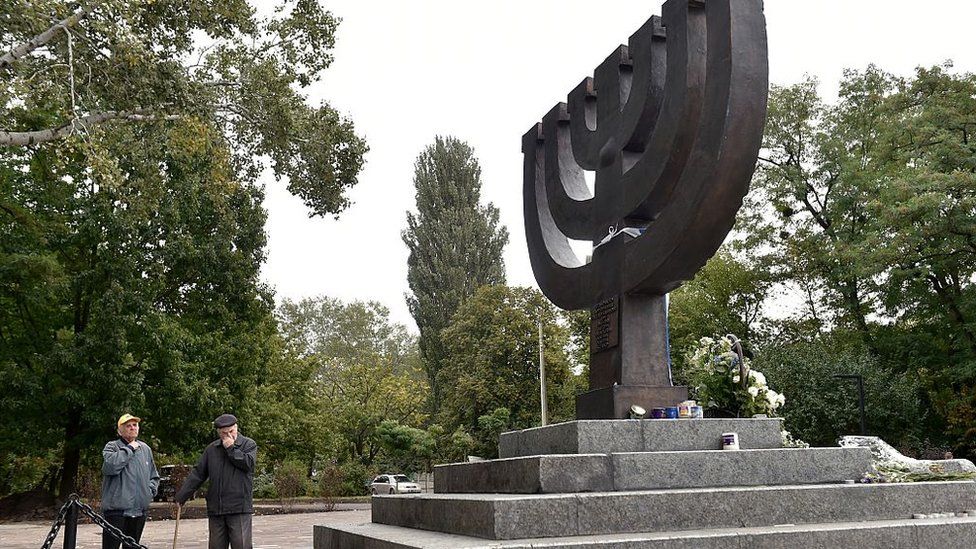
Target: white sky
[486, 71]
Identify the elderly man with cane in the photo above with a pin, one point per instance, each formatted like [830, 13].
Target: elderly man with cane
[229, 464]
[129, 482]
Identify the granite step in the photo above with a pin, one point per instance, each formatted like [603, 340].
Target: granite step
[633, 435]
[513, 516]
[550, 474]
[939, 533]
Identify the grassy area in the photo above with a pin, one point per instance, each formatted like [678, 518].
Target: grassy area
[309, 499]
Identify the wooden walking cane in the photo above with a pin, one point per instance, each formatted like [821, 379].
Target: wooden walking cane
[176, 530]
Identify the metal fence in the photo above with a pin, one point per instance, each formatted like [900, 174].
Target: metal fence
[68, 518]
[425, 481]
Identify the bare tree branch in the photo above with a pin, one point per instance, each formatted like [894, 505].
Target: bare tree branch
[13, 55]
[771, 161]
[21, 139]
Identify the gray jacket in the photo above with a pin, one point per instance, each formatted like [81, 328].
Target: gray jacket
[129, 478]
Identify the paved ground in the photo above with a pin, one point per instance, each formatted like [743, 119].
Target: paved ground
[270, 531]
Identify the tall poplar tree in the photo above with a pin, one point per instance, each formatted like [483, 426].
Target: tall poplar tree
[455, 244]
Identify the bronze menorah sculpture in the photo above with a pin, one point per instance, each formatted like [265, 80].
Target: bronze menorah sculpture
[672, 125]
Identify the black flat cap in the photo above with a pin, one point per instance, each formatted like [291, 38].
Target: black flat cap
[226, 420]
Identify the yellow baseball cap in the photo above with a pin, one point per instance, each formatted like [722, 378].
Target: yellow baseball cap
[127, 418]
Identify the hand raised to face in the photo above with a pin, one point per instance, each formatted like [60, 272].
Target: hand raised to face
[228, 435]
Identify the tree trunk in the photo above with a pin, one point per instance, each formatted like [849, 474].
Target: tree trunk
[849, 289]
[944, 291]
[51, 479]
[72, 455]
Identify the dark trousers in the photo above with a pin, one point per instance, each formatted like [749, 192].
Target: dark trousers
[130, 526]
[233, 530]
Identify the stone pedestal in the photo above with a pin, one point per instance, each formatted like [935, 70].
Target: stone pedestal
[629, 361]
[662, 483]
[615, 401]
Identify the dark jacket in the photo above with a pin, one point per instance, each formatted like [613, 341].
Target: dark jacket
[129, 478]
[231, 474]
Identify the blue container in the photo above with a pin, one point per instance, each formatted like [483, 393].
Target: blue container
[672, 412]
[659, 413]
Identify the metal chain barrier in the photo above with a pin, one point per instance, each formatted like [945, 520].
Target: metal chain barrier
[73, 500]
[58, 522]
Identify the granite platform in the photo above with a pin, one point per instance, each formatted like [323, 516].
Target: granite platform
[937, 533]
[623, 484]
[514, 516]
[623, 435]
[548, 474]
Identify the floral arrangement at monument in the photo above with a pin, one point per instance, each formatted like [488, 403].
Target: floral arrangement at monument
[714, 375]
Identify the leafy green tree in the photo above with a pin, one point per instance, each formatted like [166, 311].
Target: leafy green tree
[455, 245]
[493, 361]
[925, 210]
[452, 447]
[490, 426]
[127, 289]
[726, 297]
[873, 195]
[124, 62]
[288, 414]
[807, 196]
[406, 448]
[926, 231]
[867, 205]
[131, 225]
[329, 329]
[361, 396]
[365, 371]
[578, 323]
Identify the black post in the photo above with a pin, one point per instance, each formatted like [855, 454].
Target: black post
[860, 398]
[71, 526]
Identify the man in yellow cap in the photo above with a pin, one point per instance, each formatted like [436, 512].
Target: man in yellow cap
[129, 482]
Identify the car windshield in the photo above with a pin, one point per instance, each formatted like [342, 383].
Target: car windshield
[401, 478]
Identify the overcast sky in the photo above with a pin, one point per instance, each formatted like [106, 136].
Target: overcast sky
[486, 71]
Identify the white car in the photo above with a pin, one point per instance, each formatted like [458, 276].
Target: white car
[394, 484]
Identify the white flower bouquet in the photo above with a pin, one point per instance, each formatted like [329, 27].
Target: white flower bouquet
[714, 373]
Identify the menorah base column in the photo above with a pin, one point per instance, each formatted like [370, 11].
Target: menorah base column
[615, 402]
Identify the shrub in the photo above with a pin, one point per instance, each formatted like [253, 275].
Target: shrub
[328, 485]
[89, 485]
[20, 474]
[355, 476]
[291, 480]
[822, 408]
[264, 486]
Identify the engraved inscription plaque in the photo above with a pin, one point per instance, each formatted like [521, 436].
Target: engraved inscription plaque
[605, 326]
